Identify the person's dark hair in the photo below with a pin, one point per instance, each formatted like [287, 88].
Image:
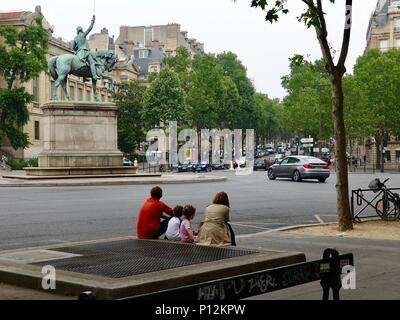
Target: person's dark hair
[156, 192]
[221, 198]
[178, 211]
[189, 211]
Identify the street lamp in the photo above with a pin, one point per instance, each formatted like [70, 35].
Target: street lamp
[318, 88]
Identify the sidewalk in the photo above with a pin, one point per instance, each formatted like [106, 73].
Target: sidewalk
[92, 181]
[377, 265]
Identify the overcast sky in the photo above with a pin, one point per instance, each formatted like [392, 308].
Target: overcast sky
[222, 25]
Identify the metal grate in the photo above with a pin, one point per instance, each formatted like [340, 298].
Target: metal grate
[126, 258]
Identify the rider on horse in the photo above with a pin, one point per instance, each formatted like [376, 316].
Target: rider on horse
[82, 49]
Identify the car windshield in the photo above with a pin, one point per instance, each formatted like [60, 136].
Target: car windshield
[204, 162]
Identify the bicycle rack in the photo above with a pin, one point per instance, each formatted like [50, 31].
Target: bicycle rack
[359, 196]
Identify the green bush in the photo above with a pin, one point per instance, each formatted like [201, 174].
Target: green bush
[21, 164]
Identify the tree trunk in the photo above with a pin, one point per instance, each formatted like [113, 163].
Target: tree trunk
[342, 185]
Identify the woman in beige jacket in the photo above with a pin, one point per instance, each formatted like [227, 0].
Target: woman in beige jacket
[215, 229]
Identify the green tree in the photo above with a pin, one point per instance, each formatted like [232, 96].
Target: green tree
[375, 95]
[22, 57]
[129, 98]
[269, 112]
[246, 114]
[307, 105]
[314, 17]
[206, 86]
[164, 100]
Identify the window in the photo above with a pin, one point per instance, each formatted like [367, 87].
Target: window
[397, 24]
[80, 95]
[293, 160]
[72, 93]
[143, 54]
[285, 161]
[398, 156]
[386, 156]
[35, 89]
[37, 130]
[384, 45]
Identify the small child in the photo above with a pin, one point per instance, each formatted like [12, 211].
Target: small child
[173, 230]
[187, 233]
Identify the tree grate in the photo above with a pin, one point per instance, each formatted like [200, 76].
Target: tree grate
[119, 259]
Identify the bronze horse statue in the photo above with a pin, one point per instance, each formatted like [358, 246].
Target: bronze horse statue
[61, 66]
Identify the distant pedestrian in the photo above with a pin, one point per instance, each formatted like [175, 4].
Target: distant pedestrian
[187, 233]
[174, 225]
[4, 160]
[151, 224]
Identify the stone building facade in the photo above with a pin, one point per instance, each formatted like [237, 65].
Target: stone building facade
[384, 33]
[40, 87]
[170, 37]
[147, 46]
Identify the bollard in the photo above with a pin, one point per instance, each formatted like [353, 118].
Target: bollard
[87, 296]
[331, 279]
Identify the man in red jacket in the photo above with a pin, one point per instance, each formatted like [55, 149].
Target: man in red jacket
[149, 225]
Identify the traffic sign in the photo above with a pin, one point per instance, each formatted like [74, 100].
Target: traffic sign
[310, 145]
[307, 140]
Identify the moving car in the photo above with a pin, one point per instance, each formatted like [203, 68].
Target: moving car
[202, 166]
[261, 164]
[300, 167]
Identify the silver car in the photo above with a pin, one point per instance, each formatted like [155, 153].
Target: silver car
[300, 167]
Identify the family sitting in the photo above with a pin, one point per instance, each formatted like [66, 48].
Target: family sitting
[156, 219]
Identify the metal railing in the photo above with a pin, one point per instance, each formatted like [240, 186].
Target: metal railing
[360, 203]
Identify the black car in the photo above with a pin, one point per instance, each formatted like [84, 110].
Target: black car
[202, 166]
[221, 165]
[184, 167]
[261, 164]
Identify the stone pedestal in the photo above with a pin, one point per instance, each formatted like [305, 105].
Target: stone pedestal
[80, 138]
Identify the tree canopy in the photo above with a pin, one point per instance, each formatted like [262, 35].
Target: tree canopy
[22, 57]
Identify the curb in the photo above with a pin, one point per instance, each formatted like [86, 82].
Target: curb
[112, 183]
[298, 226]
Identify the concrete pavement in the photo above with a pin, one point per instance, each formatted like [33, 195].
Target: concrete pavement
[138, 179]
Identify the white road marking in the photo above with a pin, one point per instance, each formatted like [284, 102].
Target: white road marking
[318, 218]
[249, 226]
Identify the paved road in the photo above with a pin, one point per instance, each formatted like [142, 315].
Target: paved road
[39, 216]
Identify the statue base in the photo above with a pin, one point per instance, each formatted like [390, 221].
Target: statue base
[80, 138]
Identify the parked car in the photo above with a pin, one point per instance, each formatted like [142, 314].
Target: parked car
[278, 157]
[127, 162]
[202, 166]
[183, 167]
[326, 156]
[191, 167]
[261, 164]
[221, 165]
[300, 167]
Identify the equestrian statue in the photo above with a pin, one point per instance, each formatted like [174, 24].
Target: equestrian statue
[83, 63]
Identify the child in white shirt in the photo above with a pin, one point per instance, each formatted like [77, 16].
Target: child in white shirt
[174, 224]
